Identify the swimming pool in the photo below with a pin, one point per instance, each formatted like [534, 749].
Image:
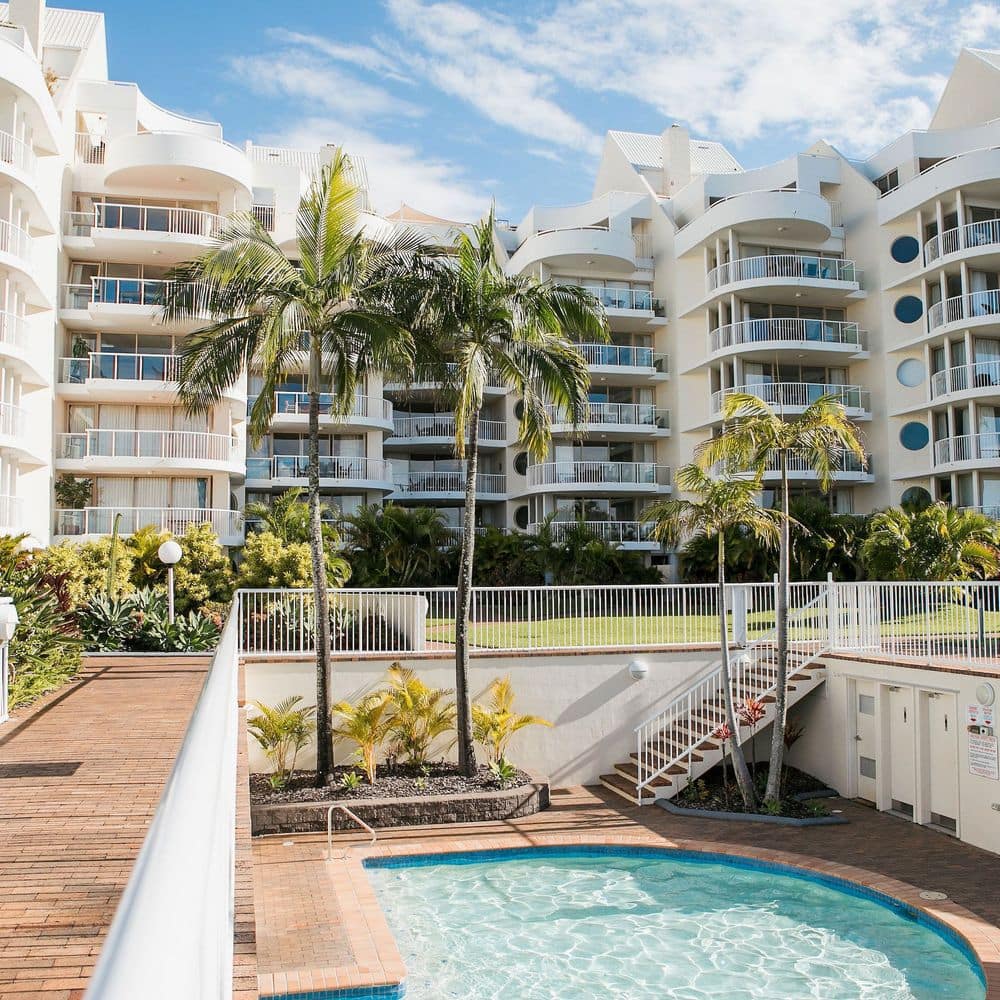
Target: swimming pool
[637, 923]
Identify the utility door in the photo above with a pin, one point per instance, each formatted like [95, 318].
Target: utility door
[942, 725]
[865, 740]
[902, 751]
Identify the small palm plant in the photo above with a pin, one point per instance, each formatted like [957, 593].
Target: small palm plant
[495, 724]
[282, 731]
[365, 723]
[419, 715]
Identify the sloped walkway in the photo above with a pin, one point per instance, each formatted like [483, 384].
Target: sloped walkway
[80, 776]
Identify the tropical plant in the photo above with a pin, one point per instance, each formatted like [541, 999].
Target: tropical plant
[504, 772]
[746, 559]
[495, 723]
[350, 781]
[365, 723]
[419, 715]
[283, 730]
[342, 302]
[935, 543]
[144, 545]
[751, 712]
[204, 575]
[823, 542]
[723, 504]
[482, 320]
[725, 736]
[267, 561]
[579, 557]
[755, 436]
[286, 516]
[73, 493]
[507, 559]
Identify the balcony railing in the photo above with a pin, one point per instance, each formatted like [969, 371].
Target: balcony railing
[17, 153]
[797, 394]
[978, 375]
[844, 462]
[15, 241]
[621, 356]
[615, 532]
[964, 307]
[621, 414]
[176, 520]
[13, 330]
[192, 445]
[133, 367]
[975, 234]
[264, 214]
[297, 403]
[493, 381]
[968, 448]
[621, 298]
[11, 512]
[597, 473]
[13, 420]
[144, 219]
[783, 266]
[448, 482]
[90, 148]
[340, 467]
[819, 332]
[442, 425]
[121, 292]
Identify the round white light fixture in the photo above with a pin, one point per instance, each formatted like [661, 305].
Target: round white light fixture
[29, 544]
[986, 694]
[638, 669]
[8, 619]
[169, 552]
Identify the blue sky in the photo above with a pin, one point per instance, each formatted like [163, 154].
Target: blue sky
[455, 103]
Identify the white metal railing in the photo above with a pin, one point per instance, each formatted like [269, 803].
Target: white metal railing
[598, 473]
[621, 298]
[13, 330]
[622, 356]
[493, 381]
[177, 912]
[297, 403]
[113, 367]
[120, 291]
[90, 148]
[968, 448]
[15, 241]
[447, 482]
[628, 414]
[13, 420]
[990, 510]
[797, 394]
[784, 266]
[101, 520]
[973, 234]
[341, 467]
[978, 375]
[11, 513]
[836, 210]
[442, 425]
[144, 219]
[264, 214]
[17, 153]
[843, 462]
[615, 532]
[811, 332]
[963, 307]
[131, 443]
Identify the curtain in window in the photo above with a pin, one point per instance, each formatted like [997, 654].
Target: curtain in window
[190, 493]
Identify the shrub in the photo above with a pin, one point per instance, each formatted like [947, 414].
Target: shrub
[270, 562]
[144, 546]
[204, 575]
[282, 731]
[365, 723]
[494, 725]
[85, 568]
[419, 715]
[72, 492]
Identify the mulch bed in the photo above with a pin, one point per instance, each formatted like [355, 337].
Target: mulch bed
[709, 794]
[405, 781]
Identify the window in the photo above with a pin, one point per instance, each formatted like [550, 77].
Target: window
[889, 181]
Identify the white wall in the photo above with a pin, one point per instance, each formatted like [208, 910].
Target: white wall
[591, 699]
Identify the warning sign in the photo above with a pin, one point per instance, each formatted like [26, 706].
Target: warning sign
[983, 759]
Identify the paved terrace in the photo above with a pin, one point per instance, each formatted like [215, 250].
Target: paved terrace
[319, 926]
[80, 776]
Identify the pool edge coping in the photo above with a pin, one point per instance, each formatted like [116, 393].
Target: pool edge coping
[378, 963]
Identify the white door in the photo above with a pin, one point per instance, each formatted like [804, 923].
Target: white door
[902, 751]
[942, 724]
[865, 740]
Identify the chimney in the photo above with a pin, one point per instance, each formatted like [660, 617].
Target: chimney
[676, 158]
[30, 15]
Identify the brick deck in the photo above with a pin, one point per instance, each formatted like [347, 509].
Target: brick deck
[80, 776]
[319, 925]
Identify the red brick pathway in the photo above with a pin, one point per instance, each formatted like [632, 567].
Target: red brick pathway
[80, 776]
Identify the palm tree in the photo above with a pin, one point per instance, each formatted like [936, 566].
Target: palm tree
[522, 329]
[286, 516]
[724, 505]
[336, 311]
[365, 723]
[754, 435]
[496, 724]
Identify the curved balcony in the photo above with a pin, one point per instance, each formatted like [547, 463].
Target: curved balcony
[593, 246]
[15, 347]
[129, 233]
[794, 397]
[494, 385]
[19, 67]
[14, 434]
[291, 412]
[975, 309]
[990, 510]
[628, 308]
[176, 161]
[830, 280]
[623, 420]
[442, 486]
[981, 378]
[797, 215]
[335, 472]
[805, 336]
[967, 450]
[599, 477]
[121, 303]
[19, 165]
[11, 515]
[634, 535]
[116, 450]
[16, 253]
[848, 469]
[227, 524]
[974, 239]
[438, 430]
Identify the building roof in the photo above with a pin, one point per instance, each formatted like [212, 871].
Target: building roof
[993, 58]
[407, 213]
[646, 151]
[65, 29]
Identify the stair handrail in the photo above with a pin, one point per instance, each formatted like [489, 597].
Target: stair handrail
[747, 676]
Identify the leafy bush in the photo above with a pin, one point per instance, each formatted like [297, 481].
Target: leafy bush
[72, 492]
[282, 731]
[419, 715]
[204, 575]
[144, 546]
[365, 723]
[494, 724]
[504, 773]
[85, 567]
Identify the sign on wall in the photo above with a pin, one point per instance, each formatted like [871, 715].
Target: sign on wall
[983, 759]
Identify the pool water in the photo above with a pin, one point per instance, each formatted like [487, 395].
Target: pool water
[577, 924]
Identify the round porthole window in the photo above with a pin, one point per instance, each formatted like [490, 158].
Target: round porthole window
[916, 498]
[908, 309]
[521, 463]
[911, 373]
[904, 249]
[519, 410]
[914, 436]
[521, 516]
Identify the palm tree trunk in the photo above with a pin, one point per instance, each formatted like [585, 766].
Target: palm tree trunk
[773, 791]
[466, 749]
[321, 602]
[743, 779]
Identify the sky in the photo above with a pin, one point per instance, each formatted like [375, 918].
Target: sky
[454, 103]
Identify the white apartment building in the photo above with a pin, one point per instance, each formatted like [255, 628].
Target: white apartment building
[878, 280]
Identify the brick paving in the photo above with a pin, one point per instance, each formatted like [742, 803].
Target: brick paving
[300, 931]
[80, 776]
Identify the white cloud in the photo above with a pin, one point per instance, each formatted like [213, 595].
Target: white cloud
[363, 56]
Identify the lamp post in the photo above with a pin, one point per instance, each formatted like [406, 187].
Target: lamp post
[170, 553]
[8, 626]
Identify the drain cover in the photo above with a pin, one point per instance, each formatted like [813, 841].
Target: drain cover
[934, 896]
[39, 769]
